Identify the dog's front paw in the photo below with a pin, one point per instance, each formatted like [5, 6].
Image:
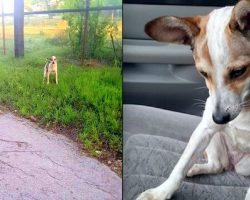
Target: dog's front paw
[194, 170]
[150, 194]
[153, 194]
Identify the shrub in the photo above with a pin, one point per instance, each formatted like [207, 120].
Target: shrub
[99, 45]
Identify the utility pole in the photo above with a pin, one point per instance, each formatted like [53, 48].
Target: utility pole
[3, 28]
[19, 28]
[84, 34]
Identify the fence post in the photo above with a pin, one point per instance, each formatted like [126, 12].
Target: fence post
[18, 28]
[84, 33]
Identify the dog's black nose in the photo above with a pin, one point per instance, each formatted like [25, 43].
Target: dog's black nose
[221, 118]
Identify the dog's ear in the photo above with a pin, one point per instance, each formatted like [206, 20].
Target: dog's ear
[240, 19]
[173, 29]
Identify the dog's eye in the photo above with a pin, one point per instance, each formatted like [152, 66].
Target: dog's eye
[235, 73]
[204, 74]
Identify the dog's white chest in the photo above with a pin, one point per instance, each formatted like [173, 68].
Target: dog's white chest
[239, 132]
[52, 67]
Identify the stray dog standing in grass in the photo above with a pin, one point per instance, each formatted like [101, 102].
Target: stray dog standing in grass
[50, 68]
[220, 43]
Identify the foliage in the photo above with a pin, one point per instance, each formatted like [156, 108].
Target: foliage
[31, 5]
[99, 45]
[88, 99]
[45, 4]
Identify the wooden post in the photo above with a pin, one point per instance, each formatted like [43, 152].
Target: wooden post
[3, 28]
[84, 33]
[18, 28]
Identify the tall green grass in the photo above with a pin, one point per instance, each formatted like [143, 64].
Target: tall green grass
[88, 99]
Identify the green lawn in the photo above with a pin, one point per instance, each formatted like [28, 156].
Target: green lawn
[89, 99]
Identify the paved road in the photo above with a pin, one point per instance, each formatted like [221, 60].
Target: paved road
[37, 164]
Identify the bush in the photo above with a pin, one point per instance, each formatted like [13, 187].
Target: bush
[99, 45]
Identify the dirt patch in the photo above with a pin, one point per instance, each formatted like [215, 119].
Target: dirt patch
[69, 131]
[90, 63]
[93, 63]
[110, 158]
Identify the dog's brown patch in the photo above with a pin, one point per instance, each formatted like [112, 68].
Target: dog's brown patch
[238, 37]
[240, 19]
[239, 56]
[238, 84]
[201, 53]
[201, 50]
[173, 29]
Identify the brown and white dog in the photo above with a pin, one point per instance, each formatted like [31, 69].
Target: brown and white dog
[50, 68]
[220, 43]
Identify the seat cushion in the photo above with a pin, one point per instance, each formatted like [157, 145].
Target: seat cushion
[155, 121]
[154, 142]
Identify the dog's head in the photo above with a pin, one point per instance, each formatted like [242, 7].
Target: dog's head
[52, 60]
[220, 43]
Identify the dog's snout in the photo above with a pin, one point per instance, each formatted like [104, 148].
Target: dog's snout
[221, 118]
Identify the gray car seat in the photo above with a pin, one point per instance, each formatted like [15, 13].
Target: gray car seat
[154, 139]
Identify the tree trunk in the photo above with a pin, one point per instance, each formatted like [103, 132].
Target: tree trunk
[84, 33]
[18, 28]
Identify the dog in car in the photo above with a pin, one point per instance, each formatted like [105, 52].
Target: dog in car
[220, 44]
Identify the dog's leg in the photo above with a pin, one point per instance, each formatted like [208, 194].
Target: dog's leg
[242, 167]
[248, 194]
[217, 158]
[44, 73]
[56, 78]
[48, 77]
[195, 147]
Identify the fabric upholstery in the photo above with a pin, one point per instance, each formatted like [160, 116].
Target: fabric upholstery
[154, 140]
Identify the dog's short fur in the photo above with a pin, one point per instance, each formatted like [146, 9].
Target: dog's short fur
[220, 43]
[50, 68]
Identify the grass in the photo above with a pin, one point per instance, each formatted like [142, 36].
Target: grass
[87, 99]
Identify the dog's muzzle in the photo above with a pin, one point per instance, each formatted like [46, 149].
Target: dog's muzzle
[221, 118]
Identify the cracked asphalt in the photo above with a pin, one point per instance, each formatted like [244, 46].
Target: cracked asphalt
[39, 164]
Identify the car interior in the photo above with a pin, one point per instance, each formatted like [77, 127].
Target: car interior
[159, 74]
[164, 98]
